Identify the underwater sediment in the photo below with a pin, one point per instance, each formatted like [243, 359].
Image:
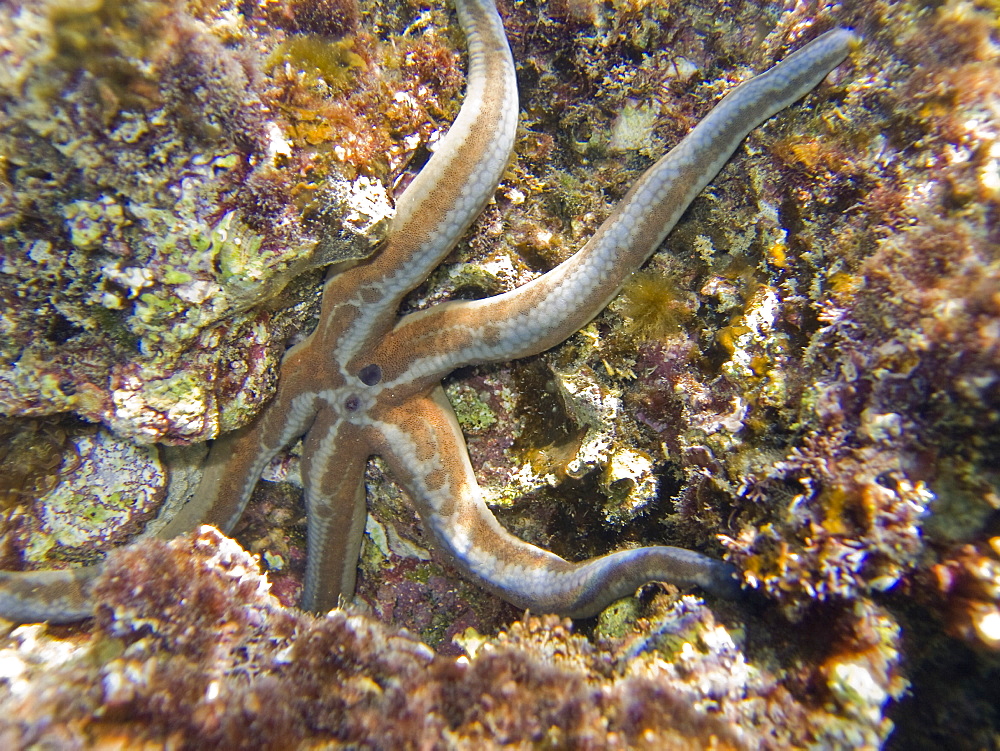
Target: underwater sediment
[805, 379]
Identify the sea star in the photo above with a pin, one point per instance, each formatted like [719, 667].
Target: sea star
[367, 382]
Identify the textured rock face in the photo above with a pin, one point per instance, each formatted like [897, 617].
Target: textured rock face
[160, 181]
[190, 649]
[803, 379]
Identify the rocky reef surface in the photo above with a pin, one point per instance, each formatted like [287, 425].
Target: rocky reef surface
[203, 656]
[805, 379]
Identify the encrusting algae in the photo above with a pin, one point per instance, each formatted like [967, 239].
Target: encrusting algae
[805, 378]
[202, 655]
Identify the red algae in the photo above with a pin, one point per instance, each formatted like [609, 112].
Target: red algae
[189, 649]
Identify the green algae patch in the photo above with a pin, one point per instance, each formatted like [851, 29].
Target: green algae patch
[473, 412]
[114, 485]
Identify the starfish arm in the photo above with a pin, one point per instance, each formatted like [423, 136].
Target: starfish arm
[333, 473]
[542, 313]
[424, 447]
[237, 459]
[54, 596]
[451, 189]
[233, 467]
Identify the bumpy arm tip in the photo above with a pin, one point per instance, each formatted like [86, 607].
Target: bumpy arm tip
[47, 596]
